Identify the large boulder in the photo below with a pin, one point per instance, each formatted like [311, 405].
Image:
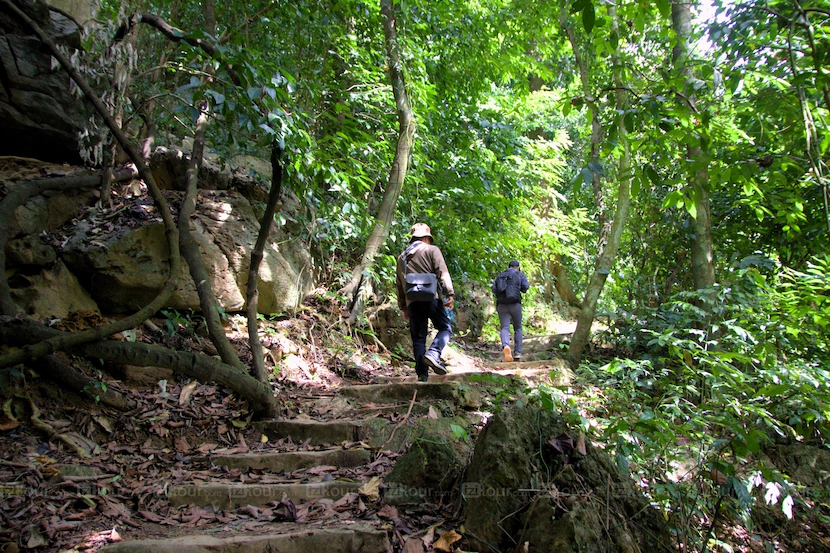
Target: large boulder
[125, 263]
[530, 483]
[82, 11]
[430, 469]
[39, 116]
[120, 256]
[40, 284]
[53, 291]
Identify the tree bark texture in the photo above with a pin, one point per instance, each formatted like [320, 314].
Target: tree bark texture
[406, 138]
[562, 282]
[702, 250]
[59, 368]
[24, 332]
[605, 262]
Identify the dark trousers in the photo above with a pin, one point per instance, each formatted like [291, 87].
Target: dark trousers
[420, 313]
[510, 313]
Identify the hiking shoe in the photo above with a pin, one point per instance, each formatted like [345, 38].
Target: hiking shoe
[432, 360]
[423, 378]
[517, 356]
[507, 357]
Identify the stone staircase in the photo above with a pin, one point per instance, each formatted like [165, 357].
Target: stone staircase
[320, 487]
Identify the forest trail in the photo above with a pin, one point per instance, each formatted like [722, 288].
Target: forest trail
[321, 487]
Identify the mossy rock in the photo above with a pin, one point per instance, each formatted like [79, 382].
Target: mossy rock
[528, 480]
[432, 465]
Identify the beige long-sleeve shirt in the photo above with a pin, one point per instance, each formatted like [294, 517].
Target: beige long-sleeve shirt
[424, 258]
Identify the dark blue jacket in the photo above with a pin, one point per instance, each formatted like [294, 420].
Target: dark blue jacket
[518, 284]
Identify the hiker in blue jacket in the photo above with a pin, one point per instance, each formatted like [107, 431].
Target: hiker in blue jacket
[508, 289]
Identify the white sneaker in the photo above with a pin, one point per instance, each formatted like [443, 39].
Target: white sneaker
[507, 357]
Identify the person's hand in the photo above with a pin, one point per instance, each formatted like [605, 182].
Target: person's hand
[405, 314]
[449, 303]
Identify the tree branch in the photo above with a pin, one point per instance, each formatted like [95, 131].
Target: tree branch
[190, 252]
[177, 35]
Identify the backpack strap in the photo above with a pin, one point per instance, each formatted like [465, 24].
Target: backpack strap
[410, 249]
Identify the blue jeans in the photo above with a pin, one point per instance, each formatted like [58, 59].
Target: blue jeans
[420, 313]
[510, 312]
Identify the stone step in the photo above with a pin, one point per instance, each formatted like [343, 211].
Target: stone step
[395, 392]
[315, 432]
[531, 371]
[373, 431]
[372, 410]
[233, 496]
[314, 540]
[293, 460]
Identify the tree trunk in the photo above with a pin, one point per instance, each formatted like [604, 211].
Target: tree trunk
[606, 259]
[702, 250]
[406, 137]
[252, 293]
[562, 283]
[595, 166]
[190, 252]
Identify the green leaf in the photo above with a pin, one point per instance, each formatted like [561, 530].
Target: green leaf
[652, 175]
[589, 17]
[664, 7]
[629, 121]
[218, 98]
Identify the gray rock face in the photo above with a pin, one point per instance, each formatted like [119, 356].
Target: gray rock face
[119, 259]
[53, 290]
[39, 117]
[126, 269]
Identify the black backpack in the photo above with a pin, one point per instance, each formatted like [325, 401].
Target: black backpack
[507, 287]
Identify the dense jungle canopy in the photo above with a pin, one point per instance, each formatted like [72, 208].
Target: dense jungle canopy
[659, 168]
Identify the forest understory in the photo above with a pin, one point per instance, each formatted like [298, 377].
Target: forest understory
[112, 483]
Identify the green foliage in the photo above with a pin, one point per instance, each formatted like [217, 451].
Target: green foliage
[708, 389]
[177, 323]
[95, 389]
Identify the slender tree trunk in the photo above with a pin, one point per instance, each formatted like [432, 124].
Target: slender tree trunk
[597, 133]
[702, 250]
[210, 17]
[252, 292]
[406, 138]
[605, 262]
[190, 252]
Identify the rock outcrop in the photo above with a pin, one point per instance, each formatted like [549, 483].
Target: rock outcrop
[530, 484]
[62, 246]
[39, 116]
